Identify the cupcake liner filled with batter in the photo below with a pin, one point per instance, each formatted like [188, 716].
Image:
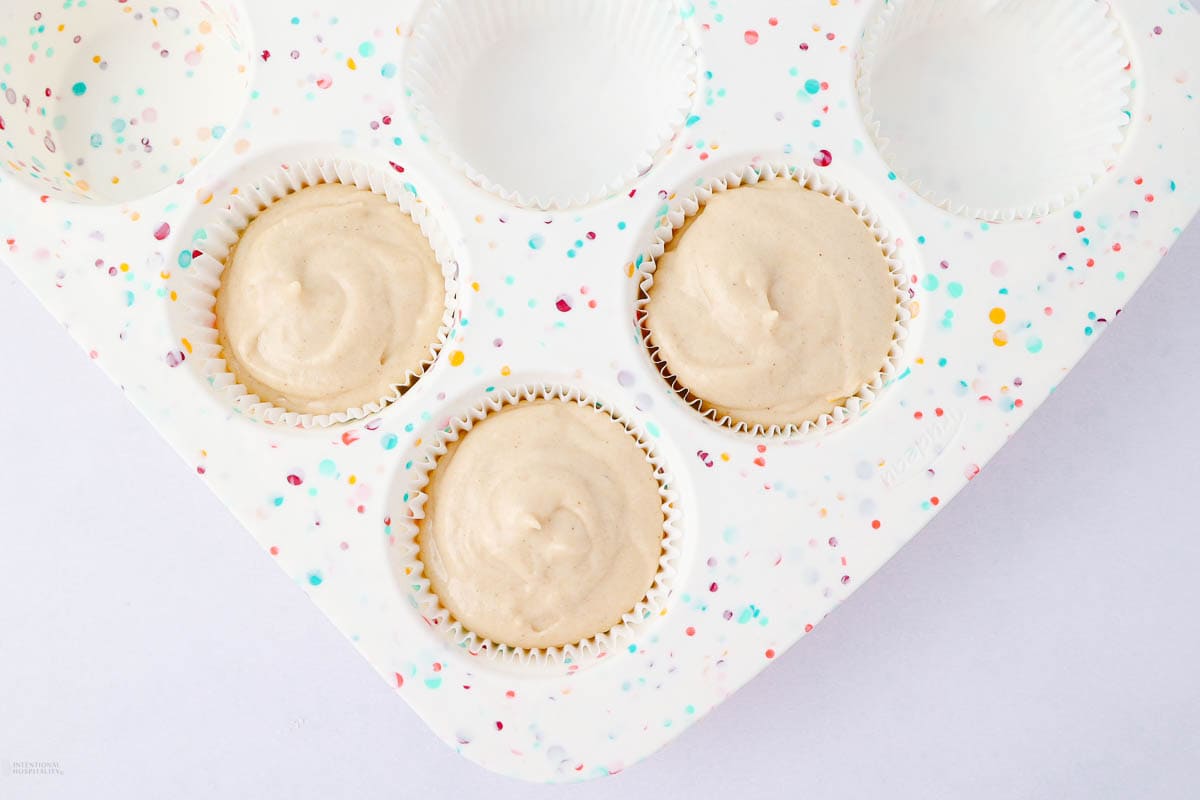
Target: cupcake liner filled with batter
[776, 304]
[322, 294]
[542, 527]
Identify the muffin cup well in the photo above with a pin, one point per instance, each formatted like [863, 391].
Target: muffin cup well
[999, 110]
[211, 246]
[405, 554]
[497, 86]
[99, 102]
[685, 207]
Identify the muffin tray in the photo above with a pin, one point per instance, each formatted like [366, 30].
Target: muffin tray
[1029, 160]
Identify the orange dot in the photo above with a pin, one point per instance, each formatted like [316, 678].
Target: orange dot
[997, 316]
[457, 358]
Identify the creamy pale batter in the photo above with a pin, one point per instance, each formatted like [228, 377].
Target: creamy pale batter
[543, 525]
[773, 305]
[331, 296]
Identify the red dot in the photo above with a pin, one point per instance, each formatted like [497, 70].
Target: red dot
[934, 500]
[712, 587]
[499, 725]
[770, 653]
[295, 480]
[808, 628]
[1117, 247]
[274, 550]
[823, 158]
[399, 680]
[938, 411]
[751, 37]
[690, 631]
[437, 667]
[876, 524]
[510, 693]
[773, 21]
[918, 415]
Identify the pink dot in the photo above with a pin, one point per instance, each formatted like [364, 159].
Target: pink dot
[999, 269]
[324, 81]
[751, 37]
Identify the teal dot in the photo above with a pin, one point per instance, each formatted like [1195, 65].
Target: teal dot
[80, 89]
[1034, 345]
[389, 441]
[295, 20]
[621, 226]
[536, 241]
[1078, 215]
[97, 140]
[327, 468]
[1120, 276]
[185, 259]
[218, 131]
[954, 289]
[388, 70]
[118, 125]
[692, 120]
[931, 282]
[812, 86]
[366, 49]
[315, 578]
[942, 362]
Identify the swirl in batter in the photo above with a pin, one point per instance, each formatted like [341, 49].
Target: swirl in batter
[543, 525]
[329, 299]
[773, 305]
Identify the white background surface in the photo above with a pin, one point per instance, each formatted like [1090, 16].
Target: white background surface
[1040, 639]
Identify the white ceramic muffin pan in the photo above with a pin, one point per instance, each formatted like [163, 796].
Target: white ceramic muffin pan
[1031, 161]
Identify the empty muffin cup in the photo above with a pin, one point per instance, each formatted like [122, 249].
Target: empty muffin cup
[318, 295]
[107, 102]
[996, 109]
[551, 103]
[773, 302]
[539, 526]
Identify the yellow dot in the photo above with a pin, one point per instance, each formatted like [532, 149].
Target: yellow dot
[353, 480]
[95, 59]
[997, 316]
[479, 218]
[350, 63]
[188, 346]
[724, 456]
[629, 269]
[174, 296]
[1000, 338]
[457, 358]
[124, 267]
[915, 308]
[475, 285]
[505, 371]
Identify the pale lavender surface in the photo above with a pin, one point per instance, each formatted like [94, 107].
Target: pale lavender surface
[1040, 639]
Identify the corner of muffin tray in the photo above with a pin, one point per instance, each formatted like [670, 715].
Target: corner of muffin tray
[775, 531]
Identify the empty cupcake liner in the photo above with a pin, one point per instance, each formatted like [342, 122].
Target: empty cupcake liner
[1000, 110]
[195, 308]
[540, 165]
[409, 570]
[686, 206]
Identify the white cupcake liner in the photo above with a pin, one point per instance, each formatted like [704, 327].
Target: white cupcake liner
[195, 308]
[938, 129]
[685, 206]
[452, 35]
[408, 568]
